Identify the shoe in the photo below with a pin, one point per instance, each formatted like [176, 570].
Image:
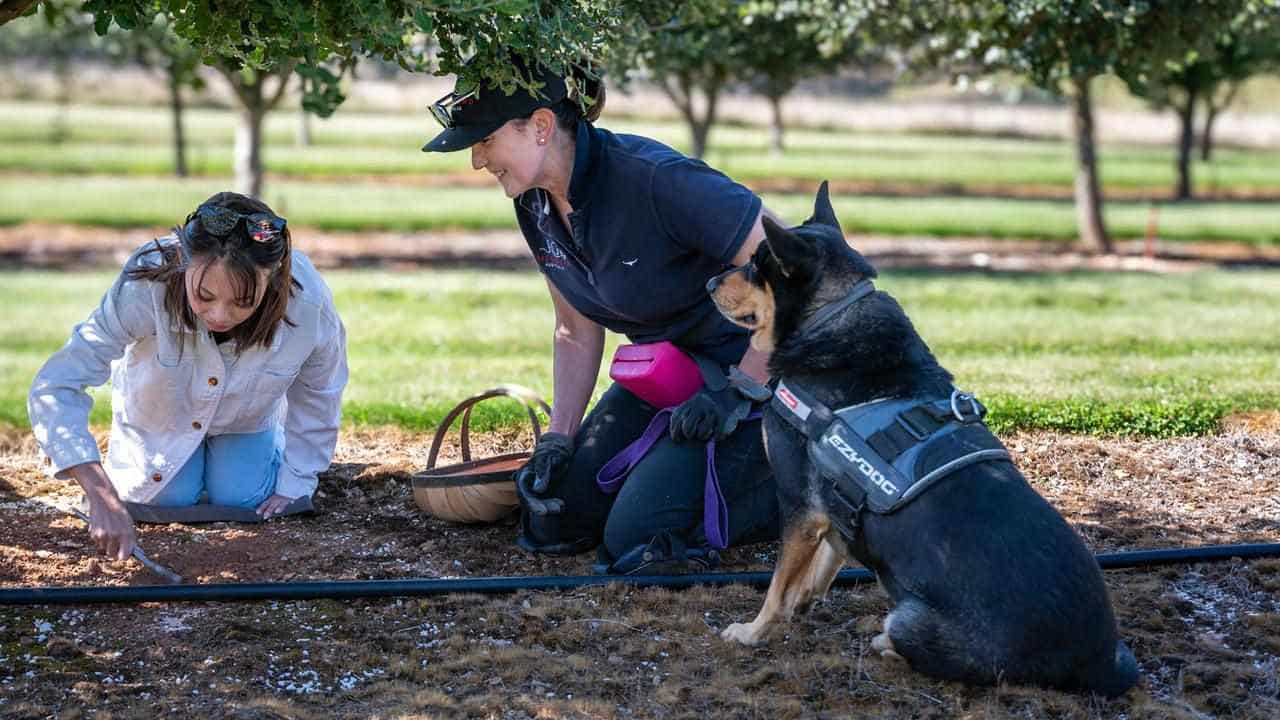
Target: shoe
[665, 554]
[526, 542]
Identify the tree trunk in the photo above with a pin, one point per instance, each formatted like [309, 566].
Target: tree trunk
[698, 131]
[255, 103]
[1186, 139]
[683, 98]
[60, 128]
[1206, 139]
[179, 132]
[1213, 108]
[248, 152]
[1088, 191]
[777, 129]
[702, 130]
[303, 138]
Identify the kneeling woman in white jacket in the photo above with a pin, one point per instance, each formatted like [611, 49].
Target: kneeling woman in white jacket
[227, 362]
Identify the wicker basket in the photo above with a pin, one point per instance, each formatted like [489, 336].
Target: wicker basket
[475, 491]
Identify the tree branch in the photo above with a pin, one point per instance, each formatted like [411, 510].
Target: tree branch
[10, 9]
[283, 74]
[247, 98]
[682, 100]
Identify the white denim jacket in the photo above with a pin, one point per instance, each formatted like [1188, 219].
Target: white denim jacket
[171, 388]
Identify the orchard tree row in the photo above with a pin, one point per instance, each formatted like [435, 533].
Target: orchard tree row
[1189, 56]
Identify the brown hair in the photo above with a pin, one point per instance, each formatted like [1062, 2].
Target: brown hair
[243, 257]
[585, 100]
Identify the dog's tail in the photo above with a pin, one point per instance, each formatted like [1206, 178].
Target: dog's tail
[1122, 674]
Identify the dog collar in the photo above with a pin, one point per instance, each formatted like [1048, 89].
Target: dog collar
[860, 289]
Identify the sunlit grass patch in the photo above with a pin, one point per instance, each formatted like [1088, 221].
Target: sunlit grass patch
[1085, 352]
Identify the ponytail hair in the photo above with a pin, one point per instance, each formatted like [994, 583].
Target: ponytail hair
[586, 97]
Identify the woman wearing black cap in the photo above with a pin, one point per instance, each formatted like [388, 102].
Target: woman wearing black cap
[627, 232]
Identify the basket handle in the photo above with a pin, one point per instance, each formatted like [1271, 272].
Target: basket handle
[527, 397]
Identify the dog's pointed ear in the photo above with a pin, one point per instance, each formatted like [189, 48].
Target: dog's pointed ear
[823, 212]
[793, 253]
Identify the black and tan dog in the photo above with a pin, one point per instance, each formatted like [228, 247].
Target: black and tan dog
[988, 582]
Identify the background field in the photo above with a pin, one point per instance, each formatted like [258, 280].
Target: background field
[46, 138]
[108, 167]
[1084, 352]
[1143, 405]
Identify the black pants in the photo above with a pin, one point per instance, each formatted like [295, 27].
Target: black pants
[663, 493]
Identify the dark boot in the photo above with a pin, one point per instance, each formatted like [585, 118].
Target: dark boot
[532, 531]
[665, 554]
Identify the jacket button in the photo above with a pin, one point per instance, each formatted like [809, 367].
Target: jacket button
[157, 477]
[196, 425]
[213, 382]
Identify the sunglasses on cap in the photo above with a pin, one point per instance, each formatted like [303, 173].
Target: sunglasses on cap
[444, 108]
[221, 222]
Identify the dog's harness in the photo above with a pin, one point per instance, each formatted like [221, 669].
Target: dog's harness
[881, 455]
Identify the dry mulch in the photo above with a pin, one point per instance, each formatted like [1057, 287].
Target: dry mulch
[1207, 636]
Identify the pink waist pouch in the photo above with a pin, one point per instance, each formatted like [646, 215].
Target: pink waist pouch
[659, 373]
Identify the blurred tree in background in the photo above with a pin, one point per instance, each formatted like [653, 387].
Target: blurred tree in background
[692, 50]
[1062, 46]
[258, 44]
[11, 9]
[787, 41]
[156, 48]
[1175, 54]
[1207, 82]
[57, 31]
[696, 50]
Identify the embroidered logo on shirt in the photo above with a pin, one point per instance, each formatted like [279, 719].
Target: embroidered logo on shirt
[551, 256]
[631, 262]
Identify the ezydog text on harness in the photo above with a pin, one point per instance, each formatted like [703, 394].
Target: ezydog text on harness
[883, 454]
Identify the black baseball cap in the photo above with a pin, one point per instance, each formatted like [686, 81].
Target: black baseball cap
[470, 115]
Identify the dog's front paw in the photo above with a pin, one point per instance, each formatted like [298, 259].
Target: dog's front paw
[884, 645]
[741, 633]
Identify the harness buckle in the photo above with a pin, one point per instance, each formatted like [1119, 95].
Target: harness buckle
[854, 508]
[820, 418]
[975, 407]
[919, 433]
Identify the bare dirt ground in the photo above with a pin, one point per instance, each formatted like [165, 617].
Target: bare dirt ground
[1207, 636]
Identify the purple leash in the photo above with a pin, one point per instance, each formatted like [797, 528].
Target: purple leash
[715, 512]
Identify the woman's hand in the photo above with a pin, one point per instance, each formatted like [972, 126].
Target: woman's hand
[110, 525]
[111, 528]
[273, 506]
[551, 455]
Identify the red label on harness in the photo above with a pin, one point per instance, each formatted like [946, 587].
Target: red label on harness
[792, 402]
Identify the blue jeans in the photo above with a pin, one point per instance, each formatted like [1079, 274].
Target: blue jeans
[237, 470]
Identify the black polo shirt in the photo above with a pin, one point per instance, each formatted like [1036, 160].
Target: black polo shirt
[649, 228]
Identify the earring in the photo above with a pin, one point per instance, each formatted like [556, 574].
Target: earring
[542, 141]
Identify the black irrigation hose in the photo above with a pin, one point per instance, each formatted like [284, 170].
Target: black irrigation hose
[405, 588]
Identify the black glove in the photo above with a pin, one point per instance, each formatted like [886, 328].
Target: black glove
[708, 414]
[550, 455]
[716, 409]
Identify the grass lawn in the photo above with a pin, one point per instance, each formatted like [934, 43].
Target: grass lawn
[161, 202]
[136, 142]
[1094, 353]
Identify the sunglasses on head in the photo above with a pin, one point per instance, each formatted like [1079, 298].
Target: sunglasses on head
[221, 222]
[444, 108]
